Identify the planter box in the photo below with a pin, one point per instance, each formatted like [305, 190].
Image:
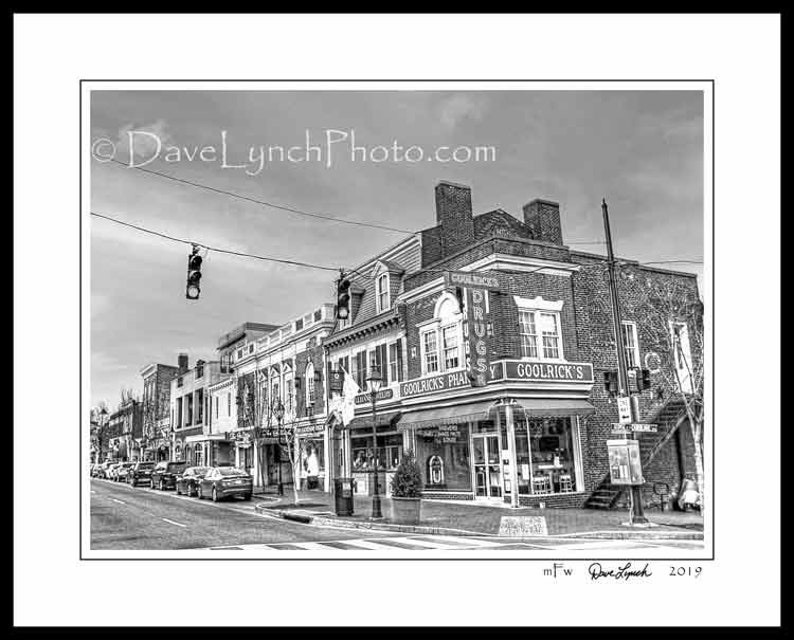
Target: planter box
[406, 510]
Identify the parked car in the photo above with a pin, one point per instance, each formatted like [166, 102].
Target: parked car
[188, 482]
[165, 473]
[102, 469]
[226, 482]
[112, 469]
[141, 472]
[123, 470]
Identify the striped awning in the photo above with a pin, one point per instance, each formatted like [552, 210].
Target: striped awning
[382, 419]
[447, 415]
[547, 408]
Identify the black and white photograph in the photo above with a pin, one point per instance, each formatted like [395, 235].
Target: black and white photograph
[383, 321]
[396, 320]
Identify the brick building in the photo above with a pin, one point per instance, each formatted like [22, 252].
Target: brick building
[156, 403]
[493, 336]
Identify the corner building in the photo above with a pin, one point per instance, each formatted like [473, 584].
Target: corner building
[493, 337]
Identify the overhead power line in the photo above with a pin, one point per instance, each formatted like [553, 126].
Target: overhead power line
[265, 203]
[211, 248]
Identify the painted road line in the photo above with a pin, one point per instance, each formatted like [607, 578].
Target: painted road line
[119, 501]
[178, 524]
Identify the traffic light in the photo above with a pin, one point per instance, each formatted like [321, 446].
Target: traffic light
[343, 298]
[193, 289]
[611, 381]
[645, 380]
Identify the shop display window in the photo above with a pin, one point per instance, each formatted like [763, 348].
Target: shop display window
[390, 452]
[443, 452]
[545, 456]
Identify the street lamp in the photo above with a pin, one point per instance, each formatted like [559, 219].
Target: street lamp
[375, 382]
[279, 411]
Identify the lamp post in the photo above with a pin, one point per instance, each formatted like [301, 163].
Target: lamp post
[279, 410]
[375, 382]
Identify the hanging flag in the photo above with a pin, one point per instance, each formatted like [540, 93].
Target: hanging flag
[349, 391]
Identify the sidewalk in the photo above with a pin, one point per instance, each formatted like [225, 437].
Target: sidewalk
[450, 517]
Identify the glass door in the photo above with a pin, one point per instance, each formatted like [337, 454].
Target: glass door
[487, 466]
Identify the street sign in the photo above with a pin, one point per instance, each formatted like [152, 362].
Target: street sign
[636, 427]
[624, 410]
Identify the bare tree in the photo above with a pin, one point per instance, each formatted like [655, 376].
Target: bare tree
[674, 323]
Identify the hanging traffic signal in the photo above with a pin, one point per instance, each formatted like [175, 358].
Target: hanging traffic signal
[645, 380]
[193, 289]
[611, 381]
[343, 298]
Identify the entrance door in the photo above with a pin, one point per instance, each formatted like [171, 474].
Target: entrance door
[487, 466]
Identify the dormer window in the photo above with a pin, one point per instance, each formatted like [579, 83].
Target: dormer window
[382, 291]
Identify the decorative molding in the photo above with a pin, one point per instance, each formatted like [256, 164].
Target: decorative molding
[538, 303]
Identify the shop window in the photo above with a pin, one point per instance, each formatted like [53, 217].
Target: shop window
[545, 456]
[630, 345]
[443, 453]
[390, 452]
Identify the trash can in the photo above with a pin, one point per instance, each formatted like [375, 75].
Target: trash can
[343, 496]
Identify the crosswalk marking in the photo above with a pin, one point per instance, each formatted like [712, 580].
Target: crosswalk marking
[397, 543]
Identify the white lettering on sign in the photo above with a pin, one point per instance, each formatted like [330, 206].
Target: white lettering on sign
[523, 526]
[478, 329]
[624, 410]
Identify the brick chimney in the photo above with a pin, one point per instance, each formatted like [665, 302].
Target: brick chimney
[454, 215]
[182, 362]
[543, 218]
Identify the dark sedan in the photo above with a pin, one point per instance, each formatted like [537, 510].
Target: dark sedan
[140, 473]
[188, 482]
[226, 482]
[165, 474]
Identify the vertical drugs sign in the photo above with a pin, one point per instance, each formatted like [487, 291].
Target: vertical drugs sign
[476, 287]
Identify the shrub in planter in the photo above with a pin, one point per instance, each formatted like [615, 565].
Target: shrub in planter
[406, 491]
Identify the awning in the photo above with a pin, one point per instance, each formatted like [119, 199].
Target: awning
[554, 408]
[382, 419]
[448, 415]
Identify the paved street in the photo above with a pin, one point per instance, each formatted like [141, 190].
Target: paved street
[140, 518]
[123, 517]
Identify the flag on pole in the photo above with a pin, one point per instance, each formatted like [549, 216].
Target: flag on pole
[349, 391]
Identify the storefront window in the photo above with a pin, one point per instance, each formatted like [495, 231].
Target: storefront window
[443, 452]
[313, 459]
[550, 466]
[390, 452]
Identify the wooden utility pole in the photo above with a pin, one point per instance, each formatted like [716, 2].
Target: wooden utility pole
[637, 511]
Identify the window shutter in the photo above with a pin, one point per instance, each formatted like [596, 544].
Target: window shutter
[399, 360]
[383, 361]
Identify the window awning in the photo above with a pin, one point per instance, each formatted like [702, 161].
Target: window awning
[448, 415]
[382, 419]
[548, 408]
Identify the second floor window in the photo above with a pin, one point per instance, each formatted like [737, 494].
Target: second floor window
[309, 384]
[430, 351]
[630, 345]
[383, 292]
[540, 334]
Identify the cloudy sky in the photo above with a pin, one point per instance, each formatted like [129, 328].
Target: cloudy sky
[642, 150]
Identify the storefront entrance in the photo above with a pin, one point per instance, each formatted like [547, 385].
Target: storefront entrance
[488, 472]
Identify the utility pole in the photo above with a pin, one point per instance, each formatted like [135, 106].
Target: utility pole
[637, 511]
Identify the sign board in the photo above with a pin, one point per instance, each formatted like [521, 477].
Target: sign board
[477, 321]
[635, 427]
[383, 394]
[469, 279]
[624, 410]
[523, 526]
[522, 370]
[432, 384]
[336, 381]
[624, 462]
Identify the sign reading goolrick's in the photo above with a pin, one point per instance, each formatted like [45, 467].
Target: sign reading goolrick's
[542, 371]
[469, 279]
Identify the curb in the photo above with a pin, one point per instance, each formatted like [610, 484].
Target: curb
[385, 526]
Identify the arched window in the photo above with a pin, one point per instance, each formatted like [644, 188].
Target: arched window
[309, 384]
[382, 291]
[441, 339]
